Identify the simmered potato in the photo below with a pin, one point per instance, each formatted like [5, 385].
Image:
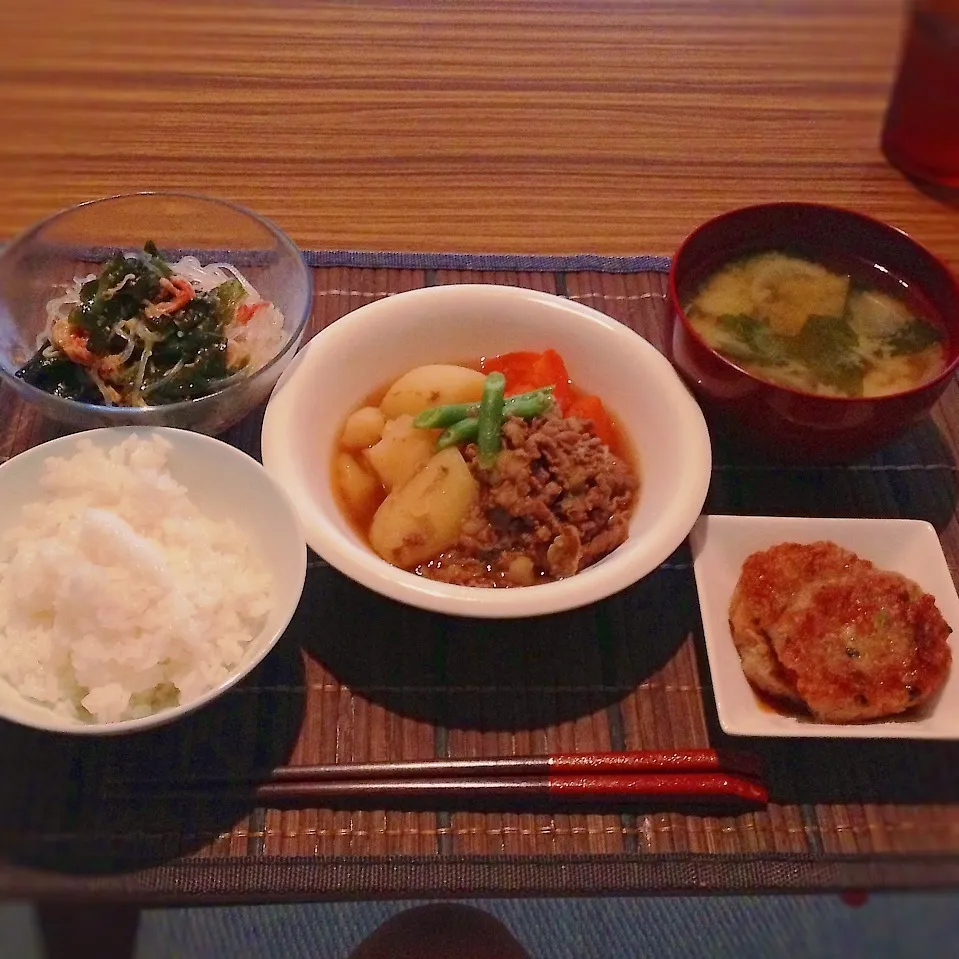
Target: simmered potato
[359, 488]
[419, 520]
[363, 428]
[401, 452]
[428, 386]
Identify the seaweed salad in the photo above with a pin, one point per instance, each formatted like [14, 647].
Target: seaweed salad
[145, 332]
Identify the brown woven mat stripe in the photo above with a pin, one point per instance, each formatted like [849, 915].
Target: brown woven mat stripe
[358, 677]
[211, 881]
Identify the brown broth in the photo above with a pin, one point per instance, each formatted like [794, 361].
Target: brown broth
[781, 707]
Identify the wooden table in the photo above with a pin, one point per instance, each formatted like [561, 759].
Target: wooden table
[564, 126]
[510, 126]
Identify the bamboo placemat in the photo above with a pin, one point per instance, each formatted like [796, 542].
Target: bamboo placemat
[358, 677]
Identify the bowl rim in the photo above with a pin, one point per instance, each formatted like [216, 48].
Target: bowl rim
[129, 414]
[901, 235]
[612, 574]
[240, 461]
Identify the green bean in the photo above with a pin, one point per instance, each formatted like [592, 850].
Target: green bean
[525, 405]
[488, 439]
[528, 405]
[438, 417]
[462, 432]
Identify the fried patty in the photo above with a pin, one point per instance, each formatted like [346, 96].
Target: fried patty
[817, 625]
[861, 646]
[768, 581]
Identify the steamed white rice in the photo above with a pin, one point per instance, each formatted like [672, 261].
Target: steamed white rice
[118, 597]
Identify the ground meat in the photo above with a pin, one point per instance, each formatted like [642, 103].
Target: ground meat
[556, 501]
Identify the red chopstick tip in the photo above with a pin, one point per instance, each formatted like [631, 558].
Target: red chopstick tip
[690, 787]
[752, 791]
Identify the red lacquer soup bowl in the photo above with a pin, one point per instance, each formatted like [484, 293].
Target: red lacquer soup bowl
[791, 423]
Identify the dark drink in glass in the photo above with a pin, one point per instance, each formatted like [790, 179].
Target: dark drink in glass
[921, 133]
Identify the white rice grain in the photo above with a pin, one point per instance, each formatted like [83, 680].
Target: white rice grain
[118, 597]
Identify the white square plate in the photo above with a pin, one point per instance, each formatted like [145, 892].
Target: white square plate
[720, 545]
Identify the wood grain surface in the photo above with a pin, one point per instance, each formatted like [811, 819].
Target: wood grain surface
[611, 126]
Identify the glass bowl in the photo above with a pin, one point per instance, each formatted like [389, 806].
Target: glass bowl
[75, 242]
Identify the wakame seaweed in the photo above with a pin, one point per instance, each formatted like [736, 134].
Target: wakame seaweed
[761, 345]
[117, 295]
[827, 344]
[914, 337]
[57, 375]
[189, 361]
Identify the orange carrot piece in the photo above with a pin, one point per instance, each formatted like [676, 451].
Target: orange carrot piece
[550, 370]
[245, 313]
[514, 366]
[526, 371]
[591, 408]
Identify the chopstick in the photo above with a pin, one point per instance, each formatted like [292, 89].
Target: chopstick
[600, 763]
[699, 775]
[644, 761]
[676, 787]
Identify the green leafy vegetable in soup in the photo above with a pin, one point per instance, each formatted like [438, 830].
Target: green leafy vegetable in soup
[794, 322]
[145, 332]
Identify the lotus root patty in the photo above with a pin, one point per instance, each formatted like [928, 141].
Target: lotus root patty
[865, 644]
[766, 585]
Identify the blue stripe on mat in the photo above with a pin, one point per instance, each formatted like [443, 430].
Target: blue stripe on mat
[524, 262]
[364, 259]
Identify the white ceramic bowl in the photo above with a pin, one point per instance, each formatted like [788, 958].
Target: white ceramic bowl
[224, 483]
[370, 347]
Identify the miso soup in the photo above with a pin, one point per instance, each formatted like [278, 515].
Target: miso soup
[794, 322]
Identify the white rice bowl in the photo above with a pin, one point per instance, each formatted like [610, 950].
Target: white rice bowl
[121, 598]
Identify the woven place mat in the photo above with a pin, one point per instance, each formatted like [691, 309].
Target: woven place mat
[357, 677]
